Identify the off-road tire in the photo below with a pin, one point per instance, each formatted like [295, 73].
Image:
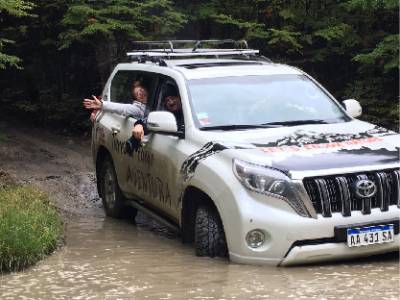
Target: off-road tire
[209, 236]
[112, 198]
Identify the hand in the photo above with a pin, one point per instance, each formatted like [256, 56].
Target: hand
[138, 132]
[94, 103]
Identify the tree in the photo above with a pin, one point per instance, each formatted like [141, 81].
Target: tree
[11, 8]
[346, 45]
[70, 47]
[109, 26]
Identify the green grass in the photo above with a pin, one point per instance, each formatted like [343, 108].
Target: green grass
[30, 227]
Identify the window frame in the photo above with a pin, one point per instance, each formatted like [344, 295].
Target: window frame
[157, 103]
[149, 79]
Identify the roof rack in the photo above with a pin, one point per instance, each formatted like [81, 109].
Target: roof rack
[195, 44]
[168, 50]
[183, 53]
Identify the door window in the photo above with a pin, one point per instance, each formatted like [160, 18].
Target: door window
[169, 99]
[123, 82]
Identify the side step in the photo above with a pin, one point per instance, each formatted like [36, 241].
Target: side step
[164, 221]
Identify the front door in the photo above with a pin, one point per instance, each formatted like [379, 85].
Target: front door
[155, 175]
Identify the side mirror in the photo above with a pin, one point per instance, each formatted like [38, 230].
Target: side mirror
[162, 121]
[353, 107]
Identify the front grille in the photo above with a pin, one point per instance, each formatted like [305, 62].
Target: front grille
[336, 193]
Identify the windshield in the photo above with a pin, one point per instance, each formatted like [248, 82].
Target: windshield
[256, 100]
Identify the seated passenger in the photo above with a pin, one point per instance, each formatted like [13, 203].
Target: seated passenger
[172, 103]
[136, 109]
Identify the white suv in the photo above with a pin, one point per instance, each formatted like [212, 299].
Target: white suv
[268, 167]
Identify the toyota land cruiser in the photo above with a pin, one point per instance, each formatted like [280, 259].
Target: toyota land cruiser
[268, 167]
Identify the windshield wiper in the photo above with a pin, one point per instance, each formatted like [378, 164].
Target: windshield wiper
[297, 122]
[239, 126]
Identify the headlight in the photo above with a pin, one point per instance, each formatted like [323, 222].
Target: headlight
[269, 181]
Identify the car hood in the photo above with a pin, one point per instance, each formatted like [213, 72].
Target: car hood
[311, 147]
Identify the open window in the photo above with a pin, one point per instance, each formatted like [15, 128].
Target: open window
[168, 89]
[121, 85]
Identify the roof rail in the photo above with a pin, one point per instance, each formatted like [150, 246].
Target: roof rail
[185, 53]
[191, 48]
[195, 44]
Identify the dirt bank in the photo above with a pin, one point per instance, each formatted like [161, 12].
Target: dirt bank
[58, 164]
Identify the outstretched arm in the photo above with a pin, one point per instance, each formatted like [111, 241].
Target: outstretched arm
[135, 110]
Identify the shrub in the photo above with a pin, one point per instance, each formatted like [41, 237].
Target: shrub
[30, 227]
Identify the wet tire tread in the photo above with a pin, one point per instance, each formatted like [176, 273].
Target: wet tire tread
[120, 210]
[209, 234]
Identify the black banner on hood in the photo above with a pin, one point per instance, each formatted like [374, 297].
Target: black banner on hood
[343, 158]
[301, 138]
[307, 150]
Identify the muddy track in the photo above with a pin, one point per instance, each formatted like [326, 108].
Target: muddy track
[60, 165]
[117, 259]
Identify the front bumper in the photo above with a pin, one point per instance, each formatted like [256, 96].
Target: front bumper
[335, 251]
[288, 233]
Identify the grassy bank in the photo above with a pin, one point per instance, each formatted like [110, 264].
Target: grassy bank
[30, 226]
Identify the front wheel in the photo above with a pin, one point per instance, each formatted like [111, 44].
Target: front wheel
[112, 198]
[209, 236]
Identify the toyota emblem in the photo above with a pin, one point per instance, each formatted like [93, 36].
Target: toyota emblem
[365, 188]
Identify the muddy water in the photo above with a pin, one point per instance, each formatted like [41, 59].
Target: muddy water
[109, 259]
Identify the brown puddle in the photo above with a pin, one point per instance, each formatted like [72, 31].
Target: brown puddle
[109, 259]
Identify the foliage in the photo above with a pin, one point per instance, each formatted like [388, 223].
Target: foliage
[386, 54]
[345, 44]
[115, 23]
[29, 227]
[18, 8]
[128, 19]
[15, 8]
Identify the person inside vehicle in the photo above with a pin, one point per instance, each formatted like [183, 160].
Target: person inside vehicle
[171, 103]
[136, 109]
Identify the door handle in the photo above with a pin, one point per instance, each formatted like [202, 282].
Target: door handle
[115, 130]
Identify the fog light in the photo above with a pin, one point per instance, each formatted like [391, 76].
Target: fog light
[255, 238]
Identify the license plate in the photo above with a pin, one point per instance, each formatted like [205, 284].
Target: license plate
[370, 235]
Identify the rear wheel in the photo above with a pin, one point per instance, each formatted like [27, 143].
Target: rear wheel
[209, 236]
[113, 200]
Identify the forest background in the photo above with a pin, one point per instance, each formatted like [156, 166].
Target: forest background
[53, 53]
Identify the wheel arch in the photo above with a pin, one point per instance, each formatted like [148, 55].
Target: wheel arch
[102, 153]
[191, 199]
